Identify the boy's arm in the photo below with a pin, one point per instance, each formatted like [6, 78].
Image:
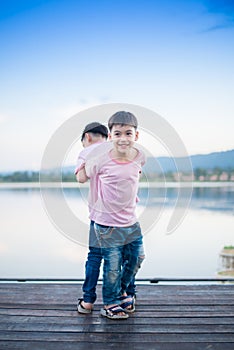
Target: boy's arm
[80, 172]
[81, 175]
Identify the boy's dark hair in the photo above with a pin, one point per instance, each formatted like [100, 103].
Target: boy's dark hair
[122, 118]
[95, 128]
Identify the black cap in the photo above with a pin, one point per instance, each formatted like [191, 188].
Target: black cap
[95, 128]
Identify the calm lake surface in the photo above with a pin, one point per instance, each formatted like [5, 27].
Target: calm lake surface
[32, 247]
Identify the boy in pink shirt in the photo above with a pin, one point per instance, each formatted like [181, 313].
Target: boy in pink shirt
[93, 136]
[112, 209]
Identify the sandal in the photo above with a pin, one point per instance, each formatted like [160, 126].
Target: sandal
[126, 302]
[113, 313]
[81, 309]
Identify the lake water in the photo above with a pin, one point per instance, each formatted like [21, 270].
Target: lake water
[32, 247]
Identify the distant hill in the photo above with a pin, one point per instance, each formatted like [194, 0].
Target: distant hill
[223, 160]
[157, 165]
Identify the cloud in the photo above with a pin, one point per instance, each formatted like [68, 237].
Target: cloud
[219, 27]
[223, 10]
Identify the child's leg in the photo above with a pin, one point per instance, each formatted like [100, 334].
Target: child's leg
[112, 275]
[131, 289]
[134, 256]
[92, 268]
[111, 241]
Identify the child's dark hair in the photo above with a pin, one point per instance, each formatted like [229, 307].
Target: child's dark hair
[95, 128]
[122, 118]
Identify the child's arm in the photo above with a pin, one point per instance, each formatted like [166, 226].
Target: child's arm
[81, 176]
[80, 172]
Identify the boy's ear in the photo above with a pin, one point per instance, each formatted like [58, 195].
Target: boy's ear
[88, 137]
[109, 136]
[137, 135]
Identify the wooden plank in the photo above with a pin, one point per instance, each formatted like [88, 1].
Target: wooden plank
[167, 316]
[180, 308]
[173, 299]
[76, 288]
[87, 319]
[118, 338]
[39, 345]
[142, 290]
[68, 292]
[64, 313]
[123, 327]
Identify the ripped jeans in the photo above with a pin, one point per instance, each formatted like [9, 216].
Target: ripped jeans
[116, 243]
[92, 268]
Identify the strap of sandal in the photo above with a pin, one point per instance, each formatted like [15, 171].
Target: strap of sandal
[128, 299]
[127, 303]
[113, 310]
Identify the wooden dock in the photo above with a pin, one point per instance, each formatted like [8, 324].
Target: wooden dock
[168, 317]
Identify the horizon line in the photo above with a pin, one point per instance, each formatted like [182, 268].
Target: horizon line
[70, 165]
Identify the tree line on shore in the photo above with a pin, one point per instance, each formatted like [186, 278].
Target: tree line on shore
[199, 174]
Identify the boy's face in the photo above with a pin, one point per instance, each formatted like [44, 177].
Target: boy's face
[123, 137]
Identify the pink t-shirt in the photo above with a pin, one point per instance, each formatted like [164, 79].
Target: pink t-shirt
[113, 199]
[94, 150]
[80, 163]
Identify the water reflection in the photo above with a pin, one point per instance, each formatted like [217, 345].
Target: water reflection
[220, 198]
[30, 246]
[217, 199]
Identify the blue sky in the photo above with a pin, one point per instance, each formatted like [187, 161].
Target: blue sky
[59, 57]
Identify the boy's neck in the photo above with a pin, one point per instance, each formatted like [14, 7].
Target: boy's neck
[124, 157]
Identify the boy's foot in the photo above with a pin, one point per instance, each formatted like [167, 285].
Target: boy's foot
[114, 312]
[128, 303]
[83, 307]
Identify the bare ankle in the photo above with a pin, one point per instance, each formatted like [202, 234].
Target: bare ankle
[87, 305]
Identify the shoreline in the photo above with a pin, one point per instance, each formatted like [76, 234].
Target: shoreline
[38, 185]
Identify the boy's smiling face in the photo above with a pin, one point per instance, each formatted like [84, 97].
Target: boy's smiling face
[123, 137]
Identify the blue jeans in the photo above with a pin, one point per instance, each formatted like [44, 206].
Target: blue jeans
[118, 243]
[92, 269]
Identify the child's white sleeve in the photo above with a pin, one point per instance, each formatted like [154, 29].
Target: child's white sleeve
[91, 167]
[96, 158]
[80, 163]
